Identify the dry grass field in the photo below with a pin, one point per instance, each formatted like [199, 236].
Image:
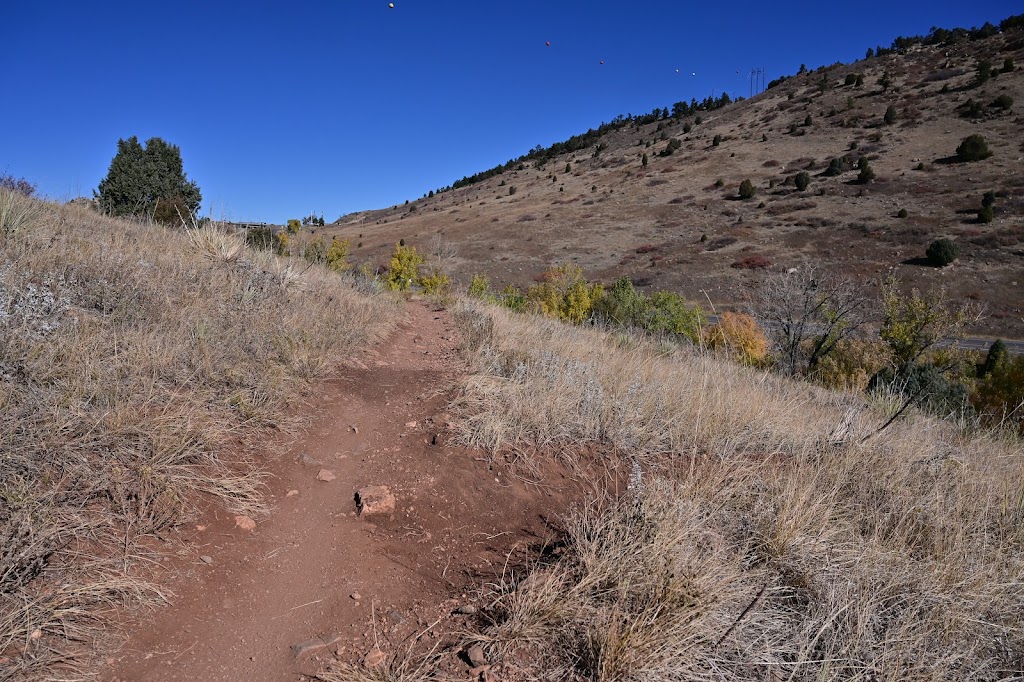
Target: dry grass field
[143, 371]
[771, 530]
[668, 226]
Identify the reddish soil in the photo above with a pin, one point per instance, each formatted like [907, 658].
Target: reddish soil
[316, 569]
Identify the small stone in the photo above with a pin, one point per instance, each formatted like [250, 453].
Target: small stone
[325, 475]
[355, 429]
[476, 656]
[374, 658]
[395, 616]
[411, 425]
[292, 493]
[307, 460]
[308, 647]
[245, 523]
[375, 500]
[36, 634]
[356, 596]
[466, 609]
[206, 559]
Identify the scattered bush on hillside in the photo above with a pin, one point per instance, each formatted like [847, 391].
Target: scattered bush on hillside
[890, 114]
[885, 81]
[984, 72]
[808, 121]
[687, 127]
[1003, 102]
[903, 213]
[564, 294]
[139, 178]
[740, 337]
[671, 148]
[315, 251]
[835, 168]
[644, 160]
[1008, 65]
[973, 148]
[747, 190]
[294, 226]
[512, 190]
[942, 252]
[986, 214]
[867, 173]
[973, 109]
[662, 312]
[716, 140]
[802, 180]
[851, 79]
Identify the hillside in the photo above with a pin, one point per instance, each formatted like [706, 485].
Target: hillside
[668, 226]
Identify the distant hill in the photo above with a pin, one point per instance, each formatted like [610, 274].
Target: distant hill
[678, 223]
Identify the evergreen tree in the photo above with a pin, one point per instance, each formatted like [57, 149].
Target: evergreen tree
[148, 181]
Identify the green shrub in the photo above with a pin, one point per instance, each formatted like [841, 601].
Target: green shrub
[568, 168]
[802, 180]
[986, 214]
[435, 282]
[717, 140]
[1003, 102]
[998, 396]
[747, 190]
[984, 71]
[942, 252]
[687, 128]
[903, 213]
[928, 388]
[478, 286]
[860, 81]
[512, 190]
[973, 148]
[808, 121]
[867, 173]
[644, 160]
[997, 357]
[890, 114]
[294, 226]
[719, 182]
[851, 79]
[835, 168]
[1008, 65]
[988, 199]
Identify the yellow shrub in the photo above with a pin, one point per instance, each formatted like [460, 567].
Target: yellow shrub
[851, 365]
[741, 337]
[404, 268]
[436, 282]
[337, 255]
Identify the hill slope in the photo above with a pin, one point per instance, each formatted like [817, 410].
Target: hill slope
[668, 226]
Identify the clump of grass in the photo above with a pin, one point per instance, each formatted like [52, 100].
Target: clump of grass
[140, 367]
[772, 530]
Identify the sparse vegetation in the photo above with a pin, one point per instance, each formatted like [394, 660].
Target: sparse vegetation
[867, 173]
[942, 252]
[747, 190]
[890, 114]
[973, 148]
[802, 180]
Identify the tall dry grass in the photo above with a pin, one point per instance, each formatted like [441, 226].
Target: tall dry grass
[771, 531]
[139, 368]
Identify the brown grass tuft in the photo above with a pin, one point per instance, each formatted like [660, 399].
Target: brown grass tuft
[770, 532]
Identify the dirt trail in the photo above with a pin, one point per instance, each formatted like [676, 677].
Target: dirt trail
[314, 569]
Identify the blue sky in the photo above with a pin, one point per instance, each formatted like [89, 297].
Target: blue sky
[283, 108]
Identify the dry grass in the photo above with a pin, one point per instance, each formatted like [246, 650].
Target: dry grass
[139, 366]
[762, 538]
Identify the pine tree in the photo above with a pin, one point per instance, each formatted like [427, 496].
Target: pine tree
[148, 181]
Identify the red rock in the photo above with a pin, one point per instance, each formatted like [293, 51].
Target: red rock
[375, 500]
[325, 475]
[374, 658]
[476, 656]
[245, 523]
